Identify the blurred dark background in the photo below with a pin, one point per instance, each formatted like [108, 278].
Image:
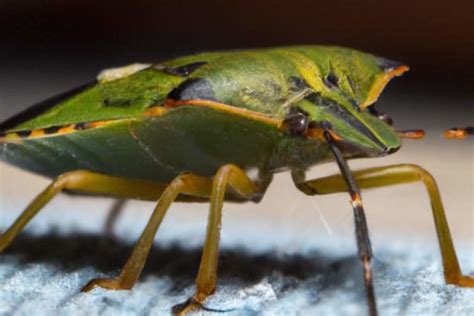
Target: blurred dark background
[49, 46]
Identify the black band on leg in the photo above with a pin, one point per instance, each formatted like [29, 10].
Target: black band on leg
[362, 231]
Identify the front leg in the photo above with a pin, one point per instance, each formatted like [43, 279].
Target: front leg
[394, 175]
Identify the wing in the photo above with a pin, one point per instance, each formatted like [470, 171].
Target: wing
[112, 97]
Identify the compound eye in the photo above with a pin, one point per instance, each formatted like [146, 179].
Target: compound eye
[296, 124]
[387, 119]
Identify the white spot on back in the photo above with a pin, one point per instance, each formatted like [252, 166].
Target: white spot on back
[112, 74]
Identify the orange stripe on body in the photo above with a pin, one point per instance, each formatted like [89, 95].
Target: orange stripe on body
[65, 130]
[226, 108]
[16, 137]
[162, 109]
[36, 133]
[317, 132]
[155, 111]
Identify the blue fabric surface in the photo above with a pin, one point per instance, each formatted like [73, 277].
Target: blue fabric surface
[42, 275]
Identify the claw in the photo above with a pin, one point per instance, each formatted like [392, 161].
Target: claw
[465, 281]
[109, 284]
[189, 306]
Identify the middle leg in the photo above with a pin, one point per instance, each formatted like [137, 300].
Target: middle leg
[187, 184]
[228, 175]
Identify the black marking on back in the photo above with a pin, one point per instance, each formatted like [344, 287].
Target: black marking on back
[354, 104]
[183, 71]
[331, 81]
[51, 130]
[387, 64]
[42, 107]
[117, 102]
[196, 88]
[354, 87]
[24, 134]
[81, 126]
[297, 84]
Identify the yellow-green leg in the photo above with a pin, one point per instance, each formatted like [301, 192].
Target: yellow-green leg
[228, 175]
[401, 174]
[183, 184]
[85, 182]
[113, 216]
[185, 187]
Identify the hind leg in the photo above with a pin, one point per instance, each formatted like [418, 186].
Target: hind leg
[85, 182]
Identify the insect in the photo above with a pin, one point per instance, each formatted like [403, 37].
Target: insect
[191, 128]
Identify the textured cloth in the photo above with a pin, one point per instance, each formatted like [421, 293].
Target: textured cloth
[42, 275]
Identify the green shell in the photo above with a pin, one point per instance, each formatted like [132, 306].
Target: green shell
[327, 83]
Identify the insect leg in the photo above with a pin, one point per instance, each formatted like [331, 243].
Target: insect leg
[183, 184]
[401, 174]
[113, 215]
[228, 175]
[84, 181]
[362, 231]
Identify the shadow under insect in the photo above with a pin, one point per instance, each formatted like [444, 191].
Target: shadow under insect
[107, 255]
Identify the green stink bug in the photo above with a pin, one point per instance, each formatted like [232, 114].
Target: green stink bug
[189, 129]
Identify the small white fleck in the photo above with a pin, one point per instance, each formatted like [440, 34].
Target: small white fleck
[321, 217]
[112, 74]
